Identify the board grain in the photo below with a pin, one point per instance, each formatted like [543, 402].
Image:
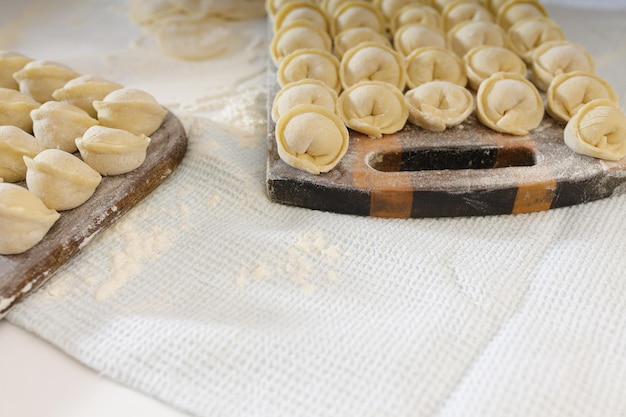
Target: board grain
[23, 273]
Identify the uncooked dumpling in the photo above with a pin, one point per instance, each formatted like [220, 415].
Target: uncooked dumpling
[60, 179]
[301, 92]
[311, 138]
[509, 103]
[57, 124]
[598, 130]
[354, 14]
[526, 35]
[350, 38]
[301, 11]
[84, 90]
[389, 8]
[467, 35]
[559, 57]
[416, 13]
[515, 10]
[373, 108]
[130, 109]
[273, 6]
[464, 11]
[24, 219]
[483, 61]
[310, 63]
[298, 35]
[15, 108]
[570, 91]
[39, 79]
[14, 145]
[371, 61]
[413, 36]
[434, 64]
[10, 63]
[438, 105]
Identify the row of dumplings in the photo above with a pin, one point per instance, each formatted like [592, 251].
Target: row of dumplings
[60, 132]
[438, 52]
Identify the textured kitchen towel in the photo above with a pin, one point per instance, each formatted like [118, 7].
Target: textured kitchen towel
[221, 303]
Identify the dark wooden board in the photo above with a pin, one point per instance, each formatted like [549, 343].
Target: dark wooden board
[22, 273]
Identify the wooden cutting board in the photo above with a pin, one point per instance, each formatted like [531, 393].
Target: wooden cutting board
[23, 273]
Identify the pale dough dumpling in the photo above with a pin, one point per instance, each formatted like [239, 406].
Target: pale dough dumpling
[515, 10]
[310, 63]
[301, 92]
[559, 57]
[23, 217]
[598, 130]
[273, 6]
[438, 105]
[10, 63]
[301, 11]
[311, 139]
[434, 64]
[570, 91]
[371, 61]
[389, 8]
[354, 14]
[130, 109]
[14, 145]
[526, 35]
[464, 11]
[298, 35]
[350, 38]
[467, 35]
[84, 90]
[15, 108]
[416, 13]
[483, 61]
[413, 36]
[60, 179]
[39, 79]
[57, 124]
[373, 108]
[509, 103]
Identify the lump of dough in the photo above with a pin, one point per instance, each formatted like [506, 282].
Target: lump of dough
[558, 57]
[570, 91]
[412, 36]
[350, 38]
[311, 138]
[57, 124]
[84, 90]
[39, 79]
[515, 10]
[310, 63]
[526, 35]
[298, 35]
[483, 61]
[112, 151]
[301, 11]
[355, 14]
[509, 103]
[14, 145]
[416, 13]
[301, 92]
[438, 105]
[10, 63]
[60, 179]
[598, 130]
[15, 108]
[373, 108]
[130, 109]
[463, 11]
[434, 64]
[467, 35]
[371, 61]
[24, 219]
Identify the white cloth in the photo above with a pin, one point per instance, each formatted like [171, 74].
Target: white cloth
[219, 302]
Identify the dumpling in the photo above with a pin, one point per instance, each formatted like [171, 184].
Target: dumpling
[61, 180]
[526, 35]
[39, 79]
[14, 145]
[354, 14]
[112, 151]
[558, 57]
[310, 63]
[130, 109]
[57, 124]
[483, 61]
[84, 90]
[464, 11]
[416, 13]
[515, 10]
[301, 11]
[413, 36]
[598, 130]
[350, 38]
[10, 63]
[570, 91]
[331, 6]
[298, 35]
[373, 108]
[24, 219]
[390, 7]
[301, 92]
[371, 61]
[434, 64]
[15, 108]
[467, 35]
[509, 103]
[438, 105]
[311, 138]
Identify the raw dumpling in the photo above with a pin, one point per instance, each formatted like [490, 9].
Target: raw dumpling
[311, 138]
[57, 124]
[10, 63]
[24, 219]
[467, 35]
[298, 35]
[483, 61]
[389, 8]
[515, 10]
[526, 35]
[437, 105]
[310, 63]
[14, 145]
[61, 180]
[416, 13]
[570, 91]
[558, 57]
[15, 108]
[130, 109]
[301, 92]
[354, 14]
[371, 61]
[84, 90]
[350, 38]
[509, 103]
[112, 151]
[413, 36]
[301, 11]
[598, 130]
[373, 108]
[273, 6]
[464, 11]
[39, 79]
[434, 64]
